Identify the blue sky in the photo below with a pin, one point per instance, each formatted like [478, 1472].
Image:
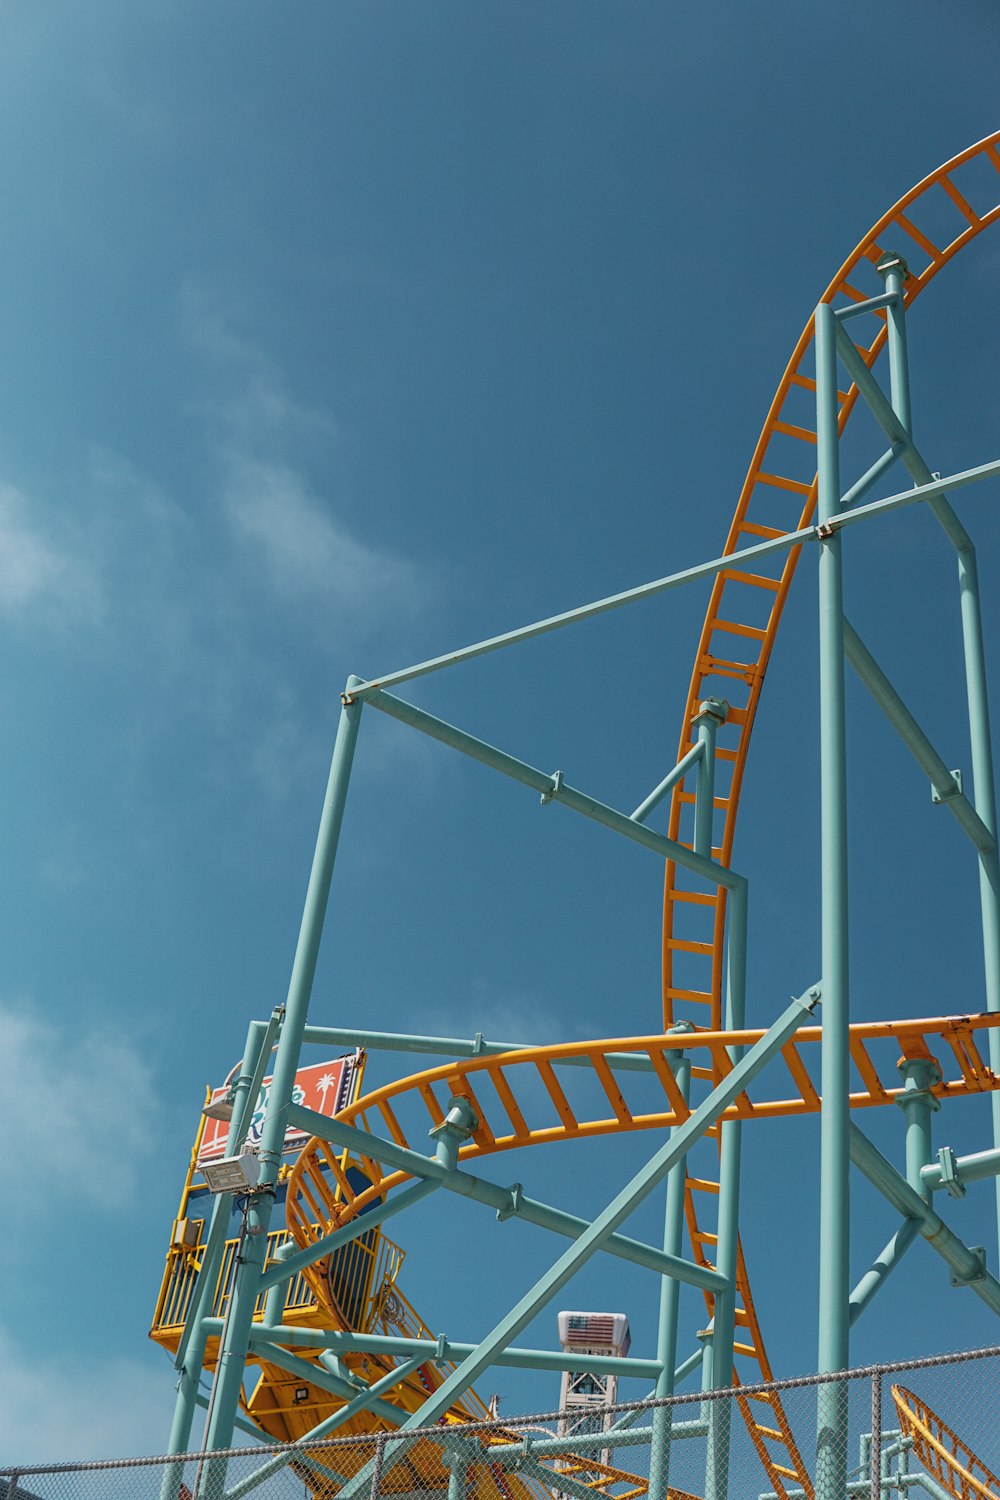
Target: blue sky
[338, 335]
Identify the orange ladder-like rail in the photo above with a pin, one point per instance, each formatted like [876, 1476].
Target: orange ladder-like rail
[741, 623]
[945, 1457]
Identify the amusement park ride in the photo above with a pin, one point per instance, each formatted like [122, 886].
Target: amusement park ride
[281, 1284]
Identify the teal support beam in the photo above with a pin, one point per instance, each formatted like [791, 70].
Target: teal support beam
[362, 1402]
[642, 1184]
[249, 1267]
[727, 1243]
[738, 559]
[452, 1046]
[930, 762]
[834, 1235]
[442, 1349]
[190, 1356]
[894, 418]
[326, 1379]
[508, 1202]
[920, 1075]
[954, 1172]
[666, 1335]
[882, 1267]
[968, 1265]
[291, 1264]
[686, 763]
[551, 788]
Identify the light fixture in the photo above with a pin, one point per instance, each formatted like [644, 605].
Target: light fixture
[218, 1109]
[232, 1174]
[301, 1394]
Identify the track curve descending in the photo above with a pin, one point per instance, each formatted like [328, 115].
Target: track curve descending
[945, 1457]
[745, 610]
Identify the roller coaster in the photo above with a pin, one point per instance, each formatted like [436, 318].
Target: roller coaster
[294, 1279]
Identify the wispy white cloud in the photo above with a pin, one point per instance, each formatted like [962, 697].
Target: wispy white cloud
[107, 1408]
[68, 1105]
[305, 550]
[295, 535]
[36, 570]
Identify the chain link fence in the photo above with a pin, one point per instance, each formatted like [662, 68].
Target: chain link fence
[930, 1425]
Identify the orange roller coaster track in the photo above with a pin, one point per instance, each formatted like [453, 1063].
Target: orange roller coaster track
[945, 1457]
[507, 1099]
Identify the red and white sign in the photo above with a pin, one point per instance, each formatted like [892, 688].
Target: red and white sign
[325, 1087]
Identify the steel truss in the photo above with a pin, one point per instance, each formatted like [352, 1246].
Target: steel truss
[706, 1073]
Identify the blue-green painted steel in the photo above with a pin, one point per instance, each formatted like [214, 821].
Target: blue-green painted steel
[727, 1244]
[973, 1168]
[631, 1195]
[509, 1202]
[694, 756]
[361, 1402]
[666, 1333]
[296, 1260]
[968, 1265]
[651, 590]
[882, 1267]
[871, 476]
[449, 1046]
[342, 1342]
[551, 788]
[915, 740]
[834, 1263]
[190, 1356]
[246, 1281]
[919, 1105]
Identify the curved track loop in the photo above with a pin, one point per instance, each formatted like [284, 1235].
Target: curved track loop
[745, 609]
[541, 1095]
[945, 1457]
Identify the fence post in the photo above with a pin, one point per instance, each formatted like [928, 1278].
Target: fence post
[377, 1466]
[876, 1449]
[12, 1486]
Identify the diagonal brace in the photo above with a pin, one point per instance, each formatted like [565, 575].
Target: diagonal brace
[915, 740]
[967, 1264]
[552, 788]
[509, 1202]
[645, 1180]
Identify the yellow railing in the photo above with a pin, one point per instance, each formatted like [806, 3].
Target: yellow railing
[359, 1275]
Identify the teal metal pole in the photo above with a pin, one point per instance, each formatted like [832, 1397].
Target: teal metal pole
[967, 1264]
[279, 1274]
[509, 1202]
[190, 1357]
[551, 788]
[440, 1349]
[918, 1104]
[984, 792]
[883, 1266]
[834, 1228]
[916, 741]
[972, 1168]
[651, 803]
[727, 1246]
[361, 1402]
[634, 1192]
[666, 1335]
[246, 1284]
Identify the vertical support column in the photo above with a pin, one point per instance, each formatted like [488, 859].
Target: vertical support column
[894, 271]
[918, 1104]
[191, 1354]
[834, 1220]
[984, 799]
[232, 1356]
[666, 1336]
[727, 1246]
